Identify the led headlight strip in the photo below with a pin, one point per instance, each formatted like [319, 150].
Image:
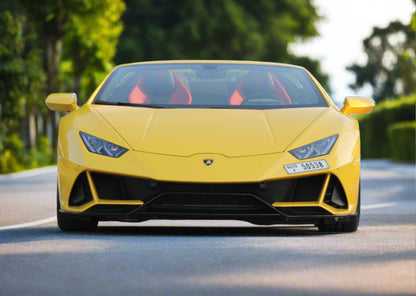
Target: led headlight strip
[318, 148]
[100, 146]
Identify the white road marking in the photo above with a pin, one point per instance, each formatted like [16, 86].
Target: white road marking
[29, 224]
[379, 205]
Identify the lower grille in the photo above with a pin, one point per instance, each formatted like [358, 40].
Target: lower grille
[203, 198]
[174, 200]
[114, 187]
[208, 203]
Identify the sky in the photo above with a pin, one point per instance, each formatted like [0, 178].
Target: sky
[345, 25]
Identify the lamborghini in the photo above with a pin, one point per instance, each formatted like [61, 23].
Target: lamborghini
[252, 141]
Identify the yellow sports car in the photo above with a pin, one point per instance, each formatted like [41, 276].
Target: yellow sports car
[252, 141]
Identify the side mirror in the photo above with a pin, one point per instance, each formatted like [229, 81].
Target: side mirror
[62, 102]
[358, 105]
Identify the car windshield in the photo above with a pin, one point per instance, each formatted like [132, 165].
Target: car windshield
[210, 85]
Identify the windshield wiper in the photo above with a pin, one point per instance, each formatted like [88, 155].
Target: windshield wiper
[101, 102]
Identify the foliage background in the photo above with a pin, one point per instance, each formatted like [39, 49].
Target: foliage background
[48, 46]
[218, 29]
[388, 132]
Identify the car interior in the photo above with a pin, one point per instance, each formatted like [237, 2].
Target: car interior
[210, 88]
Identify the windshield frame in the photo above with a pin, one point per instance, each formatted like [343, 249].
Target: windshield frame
[313, 85]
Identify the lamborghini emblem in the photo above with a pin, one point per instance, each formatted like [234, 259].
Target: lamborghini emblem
[208, 162]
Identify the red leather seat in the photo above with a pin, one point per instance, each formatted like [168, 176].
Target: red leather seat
[160, 87]
[259, 84]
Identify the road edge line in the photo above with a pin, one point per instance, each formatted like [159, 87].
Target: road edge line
[378, 206]
[29, 224]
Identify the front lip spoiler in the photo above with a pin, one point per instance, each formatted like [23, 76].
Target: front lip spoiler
[260, 219]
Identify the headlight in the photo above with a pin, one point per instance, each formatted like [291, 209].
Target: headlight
[315, 149]
[100, 146]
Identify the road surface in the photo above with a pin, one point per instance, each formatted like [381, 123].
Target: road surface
[209, 257]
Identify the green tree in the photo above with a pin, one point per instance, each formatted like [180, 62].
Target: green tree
[38, 40]
[21, 75]
[217, 29]
[21, 79]
[50, 18]
[90, 45]
[391, 62]
[54, 21]
[12, 75]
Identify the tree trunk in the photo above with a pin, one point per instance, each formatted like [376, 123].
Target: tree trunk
[53, 50]
[32, 130]
[77, 83]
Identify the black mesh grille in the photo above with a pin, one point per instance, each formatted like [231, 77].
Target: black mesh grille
[209, 203]
[113, 187]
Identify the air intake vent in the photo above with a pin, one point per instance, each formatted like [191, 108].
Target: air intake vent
[81, 193]
[335, 194]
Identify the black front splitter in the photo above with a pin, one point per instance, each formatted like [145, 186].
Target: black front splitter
[258, 219]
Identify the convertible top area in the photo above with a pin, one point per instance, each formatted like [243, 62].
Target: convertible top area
[188, 85]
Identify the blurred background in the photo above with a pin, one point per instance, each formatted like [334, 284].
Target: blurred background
[365, 47]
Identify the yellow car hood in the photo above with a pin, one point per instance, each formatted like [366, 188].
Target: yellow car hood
[230, 132]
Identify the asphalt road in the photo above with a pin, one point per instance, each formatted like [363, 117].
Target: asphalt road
[209, 257]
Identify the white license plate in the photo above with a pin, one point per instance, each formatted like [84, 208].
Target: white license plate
[308, 166]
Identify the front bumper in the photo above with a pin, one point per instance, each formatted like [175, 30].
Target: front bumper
[257, 188]
[303, 198]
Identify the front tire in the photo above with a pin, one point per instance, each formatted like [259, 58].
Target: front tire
[350, 225]
[73, 222]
